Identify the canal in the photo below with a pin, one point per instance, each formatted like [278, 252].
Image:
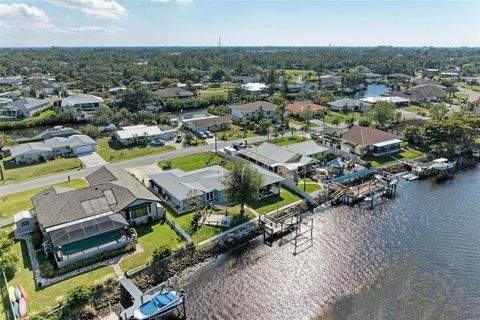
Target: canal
[414, 257]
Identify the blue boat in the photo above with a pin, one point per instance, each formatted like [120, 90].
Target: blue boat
[163, 302]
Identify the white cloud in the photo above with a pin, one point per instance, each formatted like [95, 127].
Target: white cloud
[179, 1]
[94, 29]
[23, 17]
[94, 8]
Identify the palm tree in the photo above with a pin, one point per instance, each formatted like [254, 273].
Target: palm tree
[293, 130]
[450, 92]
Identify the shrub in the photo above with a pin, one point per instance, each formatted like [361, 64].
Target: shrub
[37, 239]
[167, 165]
[160, 253]
[80, 295]
[89, 311]
[105, 281]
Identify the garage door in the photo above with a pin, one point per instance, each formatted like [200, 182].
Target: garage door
[83, 149]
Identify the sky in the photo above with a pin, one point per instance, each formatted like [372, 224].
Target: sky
[94, 23]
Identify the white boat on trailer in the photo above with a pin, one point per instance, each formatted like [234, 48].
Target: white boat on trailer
[162, 302]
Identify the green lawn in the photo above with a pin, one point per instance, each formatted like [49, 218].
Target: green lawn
[193, 162]
[299, 122]
[268, 204]
[214, 92]
[416, 109]
[467, 86]
[235, 133]
[461, 95]
[11, 204]
[292, 74]
[17, 174]
[343, 117]
[113, 151]
[151, 237]
[45, 298]
[310, 187]
[408, 153]
[203, 232]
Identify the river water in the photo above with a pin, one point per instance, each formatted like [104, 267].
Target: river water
[414, 257]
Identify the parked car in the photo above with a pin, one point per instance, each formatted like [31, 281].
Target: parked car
[201, 135]
[178, 138]
[209, 134]
[158, 142]
[315, 136]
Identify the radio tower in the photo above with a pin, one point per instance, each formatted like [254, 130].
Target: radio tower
[219, 41]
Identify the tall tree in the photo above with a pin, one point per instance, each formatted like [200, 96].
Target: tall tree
[383, 114]
[241, 184]
[438, 111]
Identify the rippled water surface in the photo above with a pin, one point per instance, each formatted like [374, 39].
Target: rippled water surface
[416, 257]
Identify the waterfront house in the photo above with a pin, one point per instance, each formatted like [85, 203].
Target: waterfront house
[397, 101]
[242, 79]
[78, 224]
[58, 146]
[59, 131]
[24, 108]
[351, 105]
[208, 123]
[285, 162]
[363, 140]
[128, 135]
[81, 102]
[253, 110]
[424, 93]
[297, 109]
[329, 81]
[178, 187]
[174, 93]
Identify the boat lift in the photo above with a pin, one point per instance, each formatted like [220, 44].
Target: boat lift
[140, 298]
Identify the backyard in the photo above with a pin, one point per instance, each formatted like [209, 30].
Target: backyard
[113, 151]
[17, 174]
[271, 203]
[416, 109]
[13, 203]
[202, 232]
[192, 162]
[150, 237]
[44, 298]
[343, 118]
[406, 154]
[235, 133]
[286, 140]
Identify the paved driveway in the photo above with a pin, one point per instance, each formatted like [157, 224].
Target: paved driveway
[92, 159]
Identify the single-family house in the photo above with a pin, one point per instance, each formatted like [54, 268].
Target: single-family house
[174, 93]
[309, 148]
[298, 108]
[363, 140]
[128, 135]
[209, 123]
[329, 81]
[255, 88]
[11, 94]
[397, 101]
[58, 146]
[253, 110]
[24, 108]
[424, 93]
[78, 224]
[81, 102]
[178, 187]
[10, 81]
[59, 131]
[117, 90]
[242, 79]
[352, 105]
[287, 163]
[399, 77]
[5, 101]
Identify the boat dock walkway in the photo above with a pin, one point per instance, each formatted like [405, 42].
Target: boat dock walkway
[136, 295]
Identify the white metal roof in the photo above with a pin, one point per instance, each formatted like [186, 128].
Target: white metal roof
[386, 143]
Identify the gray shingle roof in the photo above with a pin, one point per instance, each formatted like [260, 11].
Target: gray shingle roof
[306, 147]
[254, 106]
[168, 93]
[26, 104]
[28, 148]
[274, 154]
[81, 98]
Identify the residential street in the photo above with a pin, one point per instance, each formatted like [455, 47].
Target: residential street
[141, 161]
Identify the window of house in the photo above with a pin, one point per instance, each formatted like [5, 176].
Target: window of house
[139, 212]
[209, 196]
[25, 223]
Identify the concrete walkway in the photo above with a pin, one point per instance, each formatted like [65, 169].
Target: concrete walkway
[92, 159]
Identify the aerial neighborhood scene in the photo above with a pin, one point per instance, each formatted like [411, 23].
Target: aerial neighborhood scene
[250, 160]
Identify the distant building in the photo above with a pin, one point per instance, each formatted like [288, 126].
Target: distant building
[351, 105]
[10, 81]
[398, 101]
[174, 93]
[5, 101]
[242, 79]
[210, 123]
[82, 102]
[24, 108]
[11, 94]
[424, 93]
[362, 140]
[399, 77]
[117, 90]
[78, 224]
[255, 88]
[298, 108]
[59, 131]
[329, 81]
[59, 146]
[253, 109]
[127, 135]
